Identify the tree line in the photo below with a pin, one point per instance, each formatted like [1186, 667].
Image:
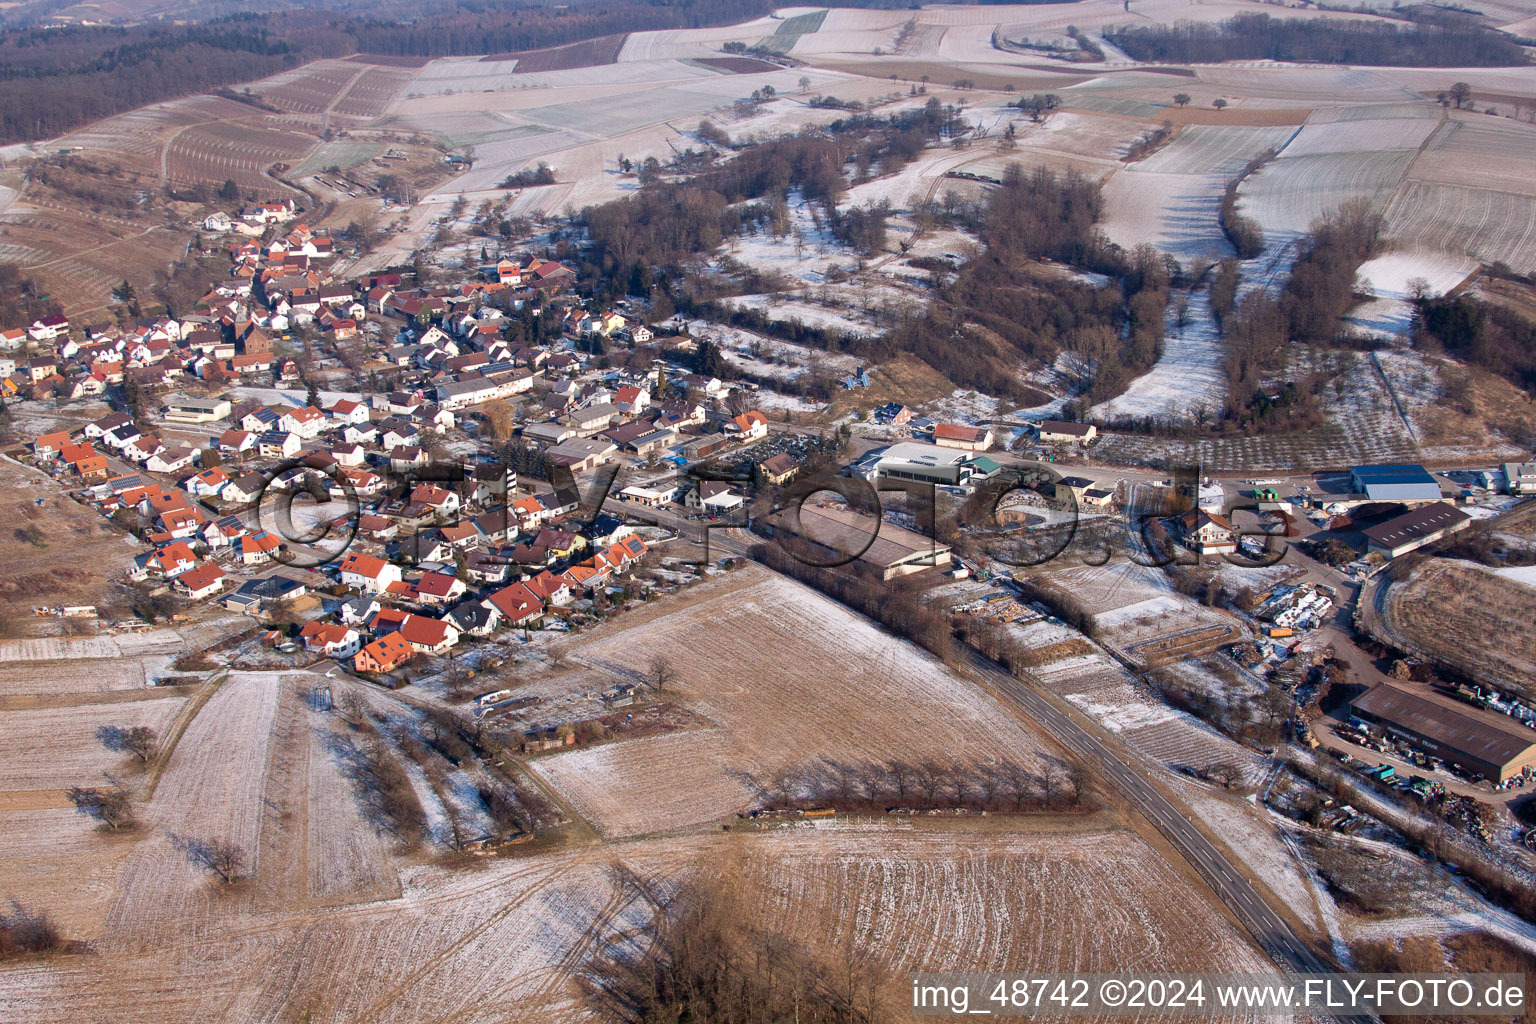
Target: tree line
[1447, 43]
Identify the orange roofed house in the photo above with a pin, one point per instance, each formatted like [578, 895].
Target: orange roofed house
[385, 654]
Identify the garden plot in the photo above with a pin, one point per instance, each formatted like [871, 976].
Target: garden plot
[310, 89]
[58, 859]
[803, 251]
[345, 853]
[791, 310]
[449, 75]
[965, 901]
[1286, 195]
[225, 151]
[1468, 617]
[55, 748]
[372, 93]
[511, 933]
[772, 715]
[344, 153]
[1466, 222]
[1394, 278]
[1110, 695]
[1104, 588]
[678, 44]
[80, 675]
[852, 31]
[1258, 841]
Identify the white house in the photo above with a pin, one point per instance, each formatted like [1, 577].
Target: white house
[368, 573]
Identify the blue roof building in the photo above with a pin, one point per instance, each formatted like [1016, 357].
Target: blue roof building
[1394, 483]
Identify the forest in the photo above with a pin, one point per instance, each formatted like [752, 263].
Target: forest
[1491, 336]
[1454, 43]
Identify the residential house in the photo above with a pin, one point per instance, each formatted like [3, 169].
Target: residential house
[439, 588]
[171, 460]
[749, 426]
[201, 581]
[368, 573]
[518, 605]
[331, 639]
[427, 635]
[259, 547]
[778, 470]
[385, 654]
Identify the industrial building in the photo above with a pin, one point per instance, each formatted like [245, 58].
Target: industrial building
[1394, 483]
[924, 463]
[1478, 741]
[1415, 529]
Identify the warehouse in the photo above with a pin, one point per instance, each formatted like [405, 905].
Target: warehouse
[1413, 530]
[1394, 483]
[894, 550]
[1479, 742]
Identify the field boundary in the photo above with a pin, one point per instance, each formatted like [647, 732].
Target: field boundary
[168, 745]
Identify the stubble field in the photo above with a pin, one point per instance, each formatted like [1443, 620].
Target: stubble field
[787, 677]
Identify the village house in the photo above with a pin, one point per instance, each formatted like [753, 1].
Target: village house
[202, 581]
[1202, 532]
[330, 639]
[385, 654]
[368, 573]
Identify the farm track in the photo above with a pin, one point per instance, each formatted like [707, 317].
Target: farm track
[168, 744]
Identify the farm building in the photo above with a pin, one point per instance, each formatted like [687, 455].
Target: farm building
[1394, 483]
[1481, 742]
[912, 460]
[969, 439]
[894, 551]
[1060, 430]
[1415, 529]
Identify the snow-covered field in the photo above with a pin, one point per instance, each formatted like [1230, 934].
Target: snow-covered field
[1190, 374]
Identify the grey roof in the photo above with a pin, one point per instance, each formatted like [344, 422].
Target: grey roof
[1421, 522]
[1481, 734]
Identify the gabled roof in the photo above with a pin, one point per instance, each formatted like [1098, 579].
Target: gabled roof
[370, 566]
[437, 584]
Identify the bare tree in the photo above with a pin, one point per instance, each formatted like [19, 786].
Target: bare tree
[225, 857]
[108, 806]
[142, 741]
[660, 672]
